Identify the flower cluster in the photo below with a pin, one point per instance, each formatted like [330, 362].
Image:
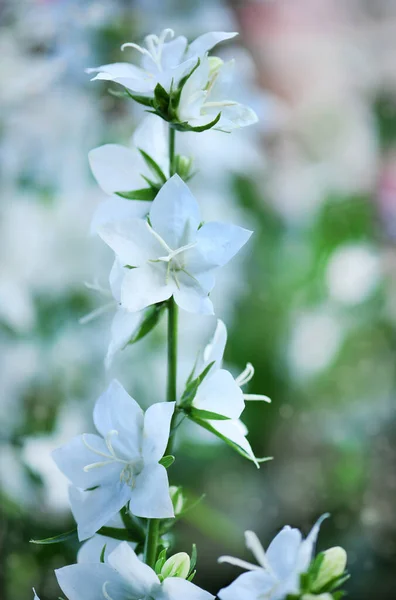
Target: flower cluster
[166, 257]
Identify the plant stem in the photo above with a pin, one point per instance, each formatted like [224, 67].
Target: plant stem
[151, 543]
[172, 136]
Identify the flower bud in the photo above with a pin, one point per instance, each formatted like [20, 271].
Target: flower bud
[176, 494]
[332, 566]
[177, 565]
[183, 166]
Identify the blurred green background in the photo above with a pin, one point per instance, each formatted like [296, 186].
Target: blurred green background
[310, 302]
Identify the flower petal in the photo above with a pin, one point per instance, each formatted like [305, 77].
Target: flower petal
[249, 586]
[217, 243]
[86, 581]
[308, 545]
[150, 496]
[156, 429]
[192, 296]
[116, 410]
[73, 457]
[116, 168]
[214, 350]
[145, 286]
[235, 431]
[219, 393]
[174, 213]
[207, 41]
[152, 137]
[93, 509]
[131, 241]
[124, 326]
[283, 551]
[139, 577]
[91, 550]
[114, 70]
[176, 588]
[118, 209]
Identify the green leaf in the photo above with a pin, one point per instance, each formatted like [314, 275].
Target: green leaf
[193, 559]
[155, 168]
[102, 554]
[119, 534]
[144, 100]
[207, 414]
[57, 539]
[161, 101]
[147, 194]
[149, 321]
[167, 461]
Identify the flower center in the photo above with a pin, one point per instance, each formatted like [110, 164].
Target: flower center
[130, 469]
[155, 45]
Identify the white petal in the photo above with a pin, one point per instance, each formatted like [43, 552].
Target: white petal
[173, 51]
[74, 456]
[283, 550]
[121, 69]
[249, 586]
[117, 410]
[207, 41]
[152, 137]
[91, 550]
[192, 296]
[116, 278]
[116, 168]
[93, 509]
[132, 241]
[174, 213]
[175, 588]
[125, 324]
[217, 243]
[85, 582]
[236, 432]
[308, 545]
[219, 393]
[118, 209]
[236, 116]
[194, 93]
[150, 496]
[145, 286]
[35, 595]
[140, 577]
[214, 351]
[156, 429]
[171, 77]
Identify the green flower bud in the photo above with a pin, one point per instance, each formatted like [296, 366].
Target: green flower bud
[177, 565]
[183, 166]
[332, 566]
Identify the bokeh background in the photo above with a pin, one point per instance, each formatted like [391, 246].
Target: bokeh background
[311, 302]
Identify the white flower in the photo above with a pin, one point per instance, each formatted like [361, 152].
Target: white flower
[124, 576]
[165, 61]
[121, 464]
[35, 595]
[279, 569]
[120, 169]
[220, 393]
[205, 95]
[170, 254]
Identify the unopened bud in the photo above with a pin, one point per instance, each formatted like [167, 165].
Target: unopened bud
[177, 565]
[176, 494]
[332, 566]
[183, 166]
[320, 597]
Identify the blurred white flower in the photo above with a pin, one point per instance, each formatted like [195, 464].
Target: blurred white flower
[352, 273]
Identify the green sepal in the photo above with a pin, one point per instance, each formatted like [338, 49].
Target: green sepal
[175, 96]
[334, 584]
[57, 539]
[186, 127]
[193, 559]
[149, 321]
[192, 388]
[167, 461]
[206, 414]
[102, 554]
[161, 560]
[153, 166]
[144, 100]
[147, 194]
[191, 576]
[117, 533]
[161, 101]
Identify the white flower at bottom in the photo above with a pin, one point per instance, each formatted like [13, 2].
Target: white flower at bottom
[123, 577]
[279, 569]
[35, 595]
[121, 465]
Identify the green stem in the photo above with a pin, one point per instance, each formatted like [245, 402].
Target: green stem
[172, 136]
[151, 543]
[171, 393]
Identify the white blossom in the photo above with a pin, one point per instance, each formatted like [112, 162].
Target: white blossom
[220, 393]
[124, 576]
[205, 95]
[121, 464]
[170, 253]
[279, 568]
[165, 60]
